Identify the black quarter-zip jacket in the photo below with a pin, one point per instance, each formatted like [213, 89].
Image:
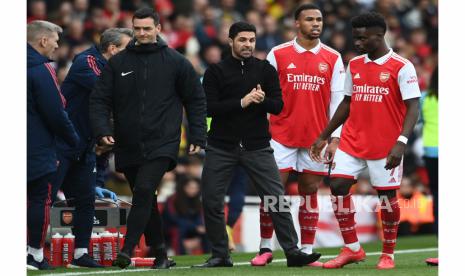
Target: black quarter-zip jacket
[145, 88]
[225, 84]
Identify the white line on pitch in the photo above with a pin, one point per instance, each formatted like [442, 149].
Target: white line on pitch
[407, 251]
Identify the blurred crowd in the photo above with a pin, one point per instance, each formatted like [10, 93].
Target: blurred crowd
[199, 30]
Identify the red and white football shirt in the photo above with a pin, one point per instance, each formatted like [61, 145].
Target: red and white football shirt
[312, 83]
[377, 111]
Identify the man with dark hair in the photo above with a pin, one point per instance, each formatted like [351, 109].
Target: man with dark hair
[145, 88]
[46, 120]
[240, 91]
[379, 111]
[296, 127]
[77, 169]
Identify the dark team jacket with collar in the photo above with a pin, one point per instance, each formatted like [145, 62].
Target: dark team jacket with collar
[225, 84]
[76, 88]
[46, 117]
[145, 88]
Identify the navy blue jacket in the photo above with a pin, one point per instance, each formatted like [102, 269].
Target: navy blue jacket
[76, 88]
[46, 117]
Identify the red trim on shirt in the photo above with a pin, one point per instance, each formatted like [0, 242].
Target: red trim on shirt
[54, 76]
[93, 65]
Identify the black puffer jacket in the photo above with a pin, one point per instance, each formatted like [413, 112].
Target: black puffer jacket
[145, 88]
[225, 84]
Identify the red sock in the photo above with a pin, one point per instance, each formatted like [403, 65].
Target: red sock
[344, 210]
[266, 224]
[390, 219]
[308, 217]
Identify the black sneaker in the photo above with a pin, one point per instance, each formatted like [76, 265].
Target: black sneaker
[215, 262]
[32, 264]
[164, 263]
[123, 260]
[297, 258]
[84, 261]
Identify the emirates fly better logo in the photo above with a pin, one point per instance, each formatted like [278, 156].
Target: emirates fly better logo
[305, 82]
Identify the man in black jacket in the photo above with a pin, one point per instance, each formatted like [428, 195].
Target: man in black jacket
[145, 88]
[240, 91]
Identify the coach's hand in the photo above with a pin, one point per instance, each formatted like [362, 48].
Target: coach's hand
[330, 150]
[395, 156]
[194, 149]
[316, 148]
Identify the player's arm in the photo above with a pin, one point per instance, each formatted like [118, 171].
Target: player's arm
[337, 95]
[50, 105]
[85, 71]
[101, 106]
[339, 117]
[410, 92]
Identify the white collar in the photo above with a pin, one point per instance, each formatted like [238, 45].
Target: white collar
[380, 60]
[301, 49]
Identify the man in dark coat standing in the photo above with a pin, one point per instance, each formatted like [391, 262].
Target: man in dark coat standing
[145, 88]
[46, 120]
[240, 91]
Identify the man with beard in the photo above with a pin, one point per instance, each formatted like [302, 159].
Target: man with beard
[240, 91]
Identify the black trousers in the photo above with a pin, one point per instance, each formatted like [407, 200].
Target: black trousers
[432, 168]
[144, 216]
[39, 193]
[77, 181]
[217, 173]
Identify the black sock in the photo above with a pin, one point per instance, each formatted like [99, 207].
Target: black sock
[264, 250]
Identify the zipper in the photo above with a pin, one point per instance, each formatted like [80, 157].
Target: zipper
[242, 67]
[144, 92]
[241, 146]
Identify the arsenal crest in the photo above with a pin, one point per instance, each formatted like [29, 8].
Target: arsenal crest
[384, 76]
[323, 67]
[67, 217]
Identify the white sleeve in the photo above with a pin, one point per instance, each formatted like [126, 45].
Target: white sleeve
[338, 78]
[408, 82]
[348, 82]
[337, 92]
[272, 59]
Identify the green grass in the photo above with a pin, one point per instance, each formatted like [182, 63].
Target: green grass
[406, 264]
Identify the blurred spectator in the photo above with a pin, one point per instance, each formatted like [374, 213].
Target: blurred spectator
[182, 215]
[112, 12]
[270, 37]
[80, 8]
[417, 210]
[75, 33]
[194, 166]
[228, 12]
[96, 24]
[429, 117]
[37, 10]
[206, 29]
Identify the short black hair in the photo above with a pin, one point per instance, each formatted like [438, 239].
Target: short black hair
[241, 27]
[304, 7]
[146, 12]
[368, 20]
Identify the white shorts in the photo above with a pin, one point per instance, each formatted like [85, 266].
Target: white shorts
[348, 166]
[296, 159]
